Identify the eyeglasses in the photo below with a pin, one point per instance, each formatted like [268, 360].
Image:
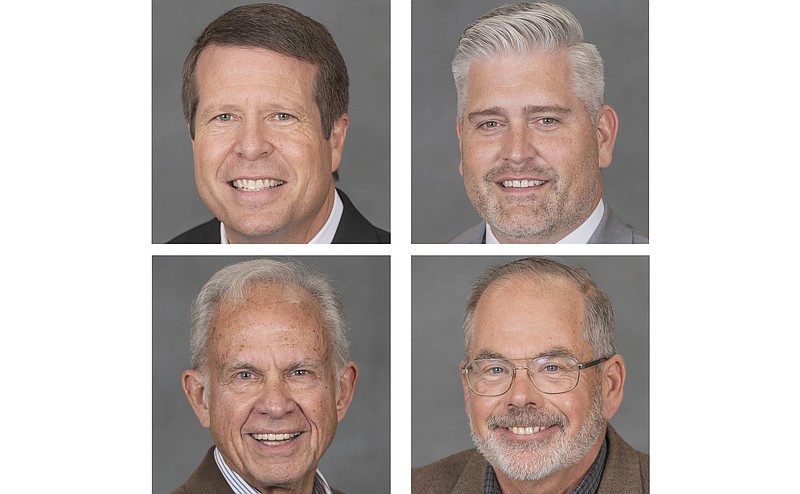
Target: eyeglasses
[551, 375]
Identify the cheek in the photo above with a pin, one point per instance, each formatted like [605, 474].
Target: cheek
[477, 153]
[209, 153]
[321, 417]
[232, 410]
[575, 410]
[479, 411]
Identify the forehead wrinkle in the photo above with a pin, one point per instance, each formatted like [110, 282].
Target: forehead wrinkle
[535, 284]
[289, 82]
[263, 100]
[251, 293]
[557, 351]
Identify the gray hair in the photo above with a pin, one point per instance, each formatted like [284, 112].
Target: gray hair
[598, 328]
[233, 282]
[523, 28]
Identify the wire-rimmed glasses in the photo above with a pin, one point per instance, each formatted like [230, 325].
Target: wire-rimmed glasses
[551, 375]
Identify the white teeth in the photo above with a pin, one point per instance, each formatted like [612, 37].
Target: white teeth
[275, 437]
[255, 185]
[523, 431]
[522, 184]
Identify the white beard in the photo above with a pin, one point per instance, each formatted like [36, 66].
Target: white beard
[535, 461]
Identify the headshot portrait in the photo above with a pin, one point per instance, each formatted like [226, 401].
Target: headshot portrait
[271, 373]
[519, 366]
[270, 122]
[530, 122]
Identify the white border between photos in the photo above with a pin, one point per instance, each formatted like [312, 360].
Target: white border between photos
[723, 211]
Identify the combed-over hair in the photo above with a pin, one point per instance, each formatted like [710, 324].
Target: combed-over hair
[523, 28]
[233, 283]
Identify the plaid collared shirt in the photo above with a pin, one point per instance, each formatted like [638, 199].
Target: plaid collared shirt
[588, 484]
[239, 486]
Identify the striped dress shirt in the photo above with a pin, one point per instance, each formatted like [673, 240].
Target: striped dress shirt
[239, 486]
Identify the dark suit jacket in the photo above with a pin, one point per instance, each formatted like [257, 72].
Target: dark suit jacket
[207, 479]
[627, 471]
[353, 229]
[611, 230]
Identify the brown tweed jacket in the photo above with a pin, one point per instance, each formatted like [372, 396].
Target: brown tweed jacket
[207, 479]
[627, 471]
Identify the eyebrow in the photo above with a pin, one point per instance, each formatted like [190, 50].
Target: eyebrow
[488, 112]
[299, 364]
[306, 363]
[530, 109]
[238, 364]
[527, 109]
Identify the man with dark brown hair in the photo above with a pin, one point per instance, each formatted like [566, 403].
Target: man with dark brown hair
[265, 97]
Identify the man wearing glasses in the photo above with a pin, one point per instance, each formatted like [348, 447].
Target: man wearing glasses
[541, 379]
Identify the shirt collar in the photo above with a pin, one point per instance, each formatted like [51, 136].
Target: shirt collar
[588, 484]
[580, 235]
[239, 486]
[324, 236]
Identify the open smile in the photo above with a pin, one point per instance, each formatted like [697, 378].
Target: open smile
[247, 185]
[527, 431]
[522, 184]
[275, 439]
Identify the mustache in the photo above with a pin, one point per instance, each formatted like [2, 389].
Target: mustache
[527, 417]
[527, 169]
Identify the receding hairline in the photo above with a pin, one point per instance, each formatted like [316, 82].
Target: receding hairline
[278, 294]
[538, 281]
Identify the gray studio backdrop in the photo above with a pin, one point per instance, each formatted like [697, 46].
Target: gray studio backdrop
[439, 287]
[361, 31]
[440, 209]
[358, 459]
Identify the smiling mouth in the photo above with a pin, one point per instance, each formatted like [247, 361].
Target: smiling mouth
[522, 184]
[275, 439]
[526, 431]
[255, 185]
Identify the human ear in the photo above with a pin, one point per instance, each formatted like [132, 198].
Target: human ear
[607, 126]
[458, 132]
[613, 383]
[338, 136]
[347, 386]
[195, 391]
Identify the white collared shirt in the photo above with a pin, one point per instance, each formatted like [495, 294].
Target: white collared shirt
[580, 235]
[324, 236]
[239, 486]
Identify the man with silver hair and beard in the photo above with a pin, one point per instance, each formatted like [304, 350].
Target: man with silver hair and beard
[541, 379]
[533, 130]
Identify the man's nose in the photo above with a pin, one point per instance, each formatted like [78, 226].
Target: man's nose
[519, 143]
[253, 140]
[522, 392]
[275, 399]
